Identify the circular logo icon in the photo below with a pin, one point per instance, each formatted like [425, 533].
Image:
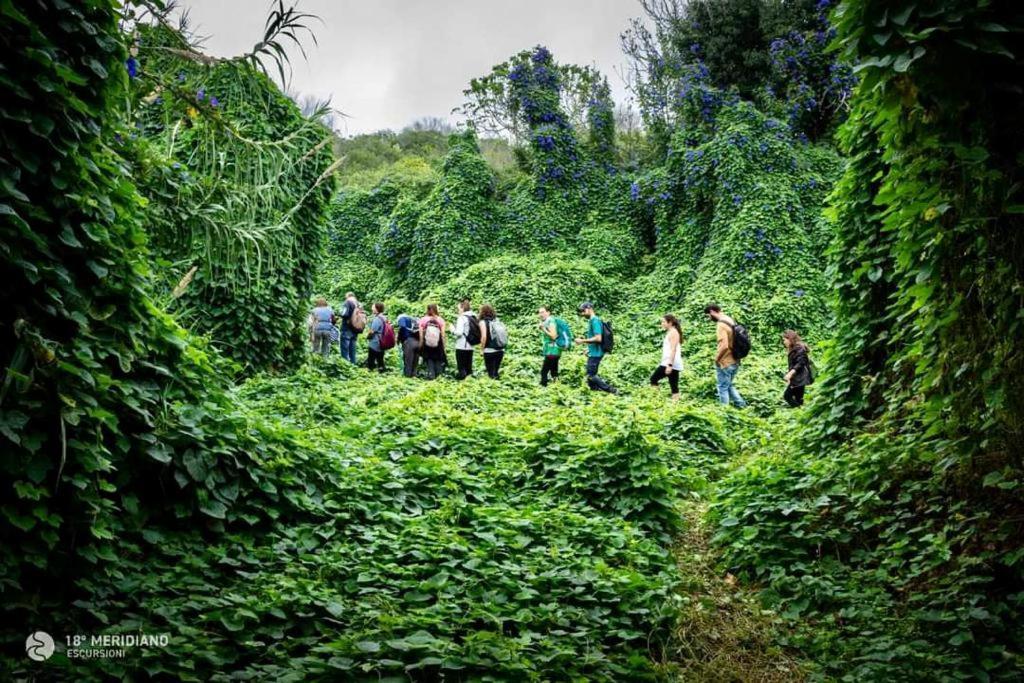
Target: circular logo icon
[39, 646]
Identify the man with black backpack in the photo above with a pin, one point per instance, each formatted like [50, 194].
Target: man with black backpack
[599, 342]
[733, 346]
[467, 335]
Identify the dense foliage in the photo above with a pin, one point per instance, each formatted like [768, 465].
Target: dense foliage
[167, 216]
[238, 182]
[897, 524]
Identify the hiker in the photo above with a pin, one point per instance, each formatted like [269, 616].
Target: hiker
[671, 355]
[727, 354]
[493, 340]
[381, 338]
[549, 345]
[322, 319]
[409, 338]
[353, 322]
[467, 335]
[596, 345]
[800, 373]
[431, 337]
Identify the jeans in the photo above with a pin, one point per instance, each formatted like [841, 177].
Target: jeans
[492, 361]
[593, 363]
[673, 378]
[726, 391]
[549, 367]
[464, 362]
[348, 346]
[375, 359]
[322, 342]
[794, 396]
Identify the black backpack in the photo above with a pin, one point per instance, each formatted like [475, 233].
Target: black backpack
[740, 341]
[607, 337]
[473, 333]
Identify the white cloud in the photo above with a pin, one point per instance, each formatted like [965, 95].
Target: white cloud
[386, 63]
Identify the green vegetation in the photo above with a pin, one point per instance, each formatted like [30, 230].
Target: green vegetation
[175, 463]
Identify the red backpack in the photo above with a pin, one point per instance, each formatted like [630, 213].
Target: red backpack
[387, 336]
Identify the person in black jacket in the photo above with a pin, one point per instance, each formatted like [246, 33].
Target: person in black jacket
[799, 374]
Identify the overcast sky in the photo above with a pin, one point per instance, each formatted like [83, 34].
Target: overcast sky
[386, 63]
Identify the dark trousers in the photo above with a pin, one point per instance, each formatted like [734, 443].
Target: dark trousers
[661, 373]
[410, 356]
[492, 361]
[549, 367]
[464, 362]
[794, 396]
[593, 364]
[375, 359]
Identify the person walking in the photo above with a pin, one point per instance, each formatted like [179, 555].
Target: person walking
[800, 374]
[549, 345]
[595, 347]
[467, 335]
[493, 339]
[409, 338]
[375, 339]
[671, 355]
[727, 364]
[353, 321]
[431, 337]
[322, 318]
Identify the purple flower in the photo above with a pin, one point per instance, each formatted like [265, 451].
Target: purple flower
[181, 76]
[634, 191]
[214, 102]
[133, 67]
[798, 293]
[201, 94]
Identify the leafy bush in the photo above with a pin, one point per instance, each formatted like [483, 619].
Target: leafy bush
[237, 184]
[518, 285]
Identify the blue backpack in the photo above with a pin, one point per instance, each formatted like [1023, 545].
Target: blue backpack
[406, 327]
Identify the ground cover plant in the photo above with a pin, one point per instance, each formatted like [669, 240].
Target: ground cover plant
[174, 460]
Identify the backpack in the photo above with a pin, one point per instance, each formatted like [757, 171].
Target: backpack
[740, 341]
[432, 334]
[497, 334]
[358, 320]
[473, 331]
[563, 334]
[406, 327]
[387, 336]
[607, 337]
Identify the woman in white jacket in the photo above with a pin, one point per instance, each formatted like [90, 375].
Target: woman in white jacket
[671, 355]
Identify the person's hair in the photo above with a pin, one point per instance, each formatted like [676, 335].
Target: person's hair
[348, 294]
[465, 304]
[794, 339]
[712, 307]
[378, 306]
[432, 309]
[487, 312]
[320, 301]
[545, 308]
[674, 322]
